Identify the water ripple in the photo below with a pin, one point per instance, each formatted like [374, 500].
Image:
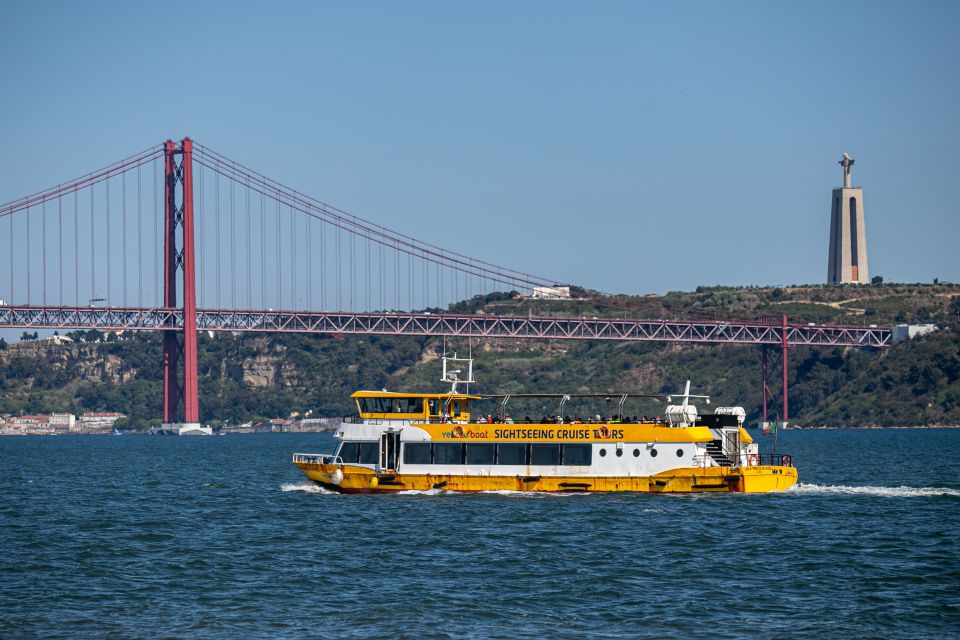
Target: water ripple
[223, 538]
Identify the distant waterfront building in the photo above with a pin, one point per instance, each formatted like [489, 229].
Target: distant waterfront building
[847, 262]
[66, 421]
[91, 416]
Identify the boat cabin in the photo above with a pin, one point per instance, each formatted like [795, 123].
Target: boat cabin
[413, 407]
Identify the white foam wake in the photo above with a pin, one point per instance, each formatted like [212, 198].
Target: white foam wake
[424, 492]
[883, 492]
[304, 487]
[493, 492]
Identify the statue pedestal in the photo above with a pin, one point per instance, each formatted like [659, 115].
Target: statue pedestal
[847, 261]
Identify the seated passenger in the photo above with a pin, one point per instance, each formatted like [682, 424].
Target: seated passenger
[508, 419]
[481, 420]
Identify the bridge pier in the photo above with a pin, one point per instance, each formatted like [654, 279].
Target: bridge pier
[177, 390]
[764, 371]
[784, 345]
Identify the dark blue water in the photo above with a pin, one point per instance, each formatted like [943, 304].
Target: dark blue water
[221, 538]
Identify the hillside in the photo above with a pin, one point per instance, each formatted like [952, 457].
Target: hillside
[248, 376]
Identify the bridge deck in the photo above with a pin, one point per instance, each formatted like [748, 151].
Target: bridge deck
[427, 324]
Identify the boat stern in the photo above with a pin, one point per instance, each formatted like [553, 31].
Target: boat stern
[767, 479]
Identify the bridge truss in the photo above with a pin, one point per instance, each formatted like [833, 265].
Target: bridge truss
[430, 324]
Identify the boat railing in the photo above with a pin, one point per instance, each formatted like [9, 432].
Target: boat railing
[316, 458]
[775, 460]
[377, 421]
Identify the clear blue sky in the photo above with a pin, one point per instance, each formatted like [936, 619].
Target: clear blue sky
[630, 147]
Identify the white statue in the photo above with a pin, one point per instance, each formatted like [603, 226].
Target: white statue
[846, 163]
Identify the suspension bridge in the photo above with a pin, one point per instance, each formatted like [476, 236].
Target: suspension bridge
[180, 239]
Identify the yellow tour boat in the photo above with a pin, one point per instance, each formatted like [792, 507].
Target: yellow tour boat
[424, 441]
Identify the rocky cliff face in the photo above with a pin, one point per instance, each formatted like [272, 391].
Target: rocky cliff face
[81, 361]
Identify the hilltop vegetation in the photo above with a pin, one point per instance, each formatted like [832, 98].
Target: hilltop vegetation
[247, 376]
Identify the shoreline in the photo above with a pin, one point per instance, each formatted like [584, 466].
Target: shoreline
[873, 427]
[248, 433]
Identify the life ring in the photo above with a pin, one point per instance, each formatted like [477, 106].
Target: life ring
[754, 460]
[787, 461]
[458, 431]
[604, 431]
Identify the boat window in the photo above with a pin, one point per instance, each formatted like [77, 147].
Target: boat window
[455, 410]
[577, 454]
[448, 453]
[619, 453]
[391, 405]
[416, 453]
[679, 453]
[434, 406]
[410, 405]
[653, 453]
[348, 452]
[636, 453]
[512, 453]
[548, 454]
[603, 452]
[369, 452]
[480, 453]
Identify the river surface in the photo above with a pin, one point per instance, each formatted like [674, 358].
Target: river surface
[140, 537]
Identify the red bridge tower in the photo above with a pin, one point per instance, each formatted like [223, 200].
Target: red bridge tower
[179, 387]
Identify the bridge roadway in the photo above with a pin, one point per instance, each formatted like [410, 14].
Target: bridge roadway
[429, 324]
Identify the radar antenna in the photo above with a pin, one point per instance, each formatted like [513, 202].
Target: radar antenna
[457, 376]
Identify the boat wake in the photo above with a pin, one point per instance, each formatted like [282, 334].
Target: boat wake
[882, 492]
[305, 487]
[498, 492]
[425, 492]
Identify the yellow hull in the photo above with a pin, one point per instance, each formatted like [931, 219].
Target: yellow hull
[686, 480]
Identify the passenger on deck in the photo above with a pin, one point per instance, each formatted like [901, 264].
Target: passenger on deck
[508, 419]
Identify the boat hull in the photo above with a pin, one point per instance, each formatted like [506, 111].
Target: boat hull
[757, 479]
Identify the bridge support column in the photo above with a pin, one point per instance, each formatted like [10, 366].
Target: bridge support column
[183, 260]
[763, 378]
[783, 358]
